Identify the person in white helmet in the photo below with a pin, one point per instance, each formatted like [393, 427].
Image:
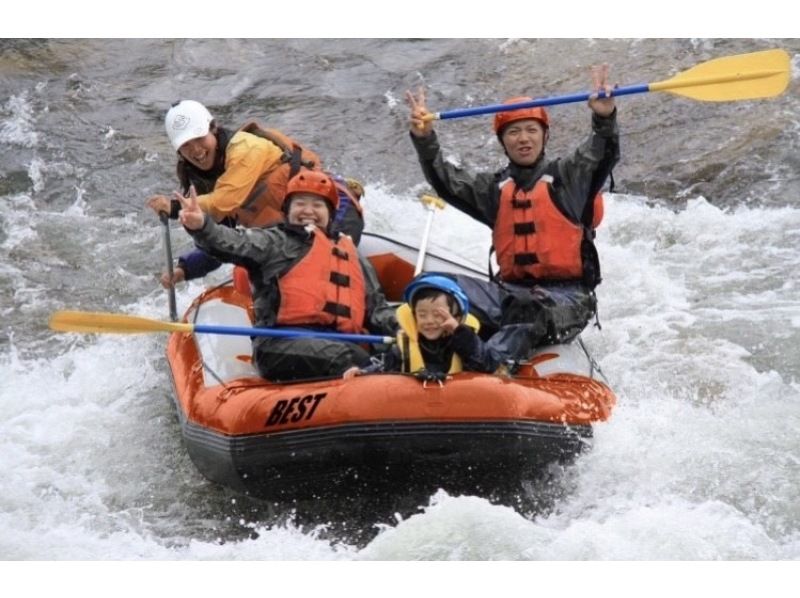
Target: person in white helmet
[240, 178]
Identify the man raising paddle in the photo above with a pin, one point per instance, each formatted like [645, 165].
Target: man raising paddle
[543, 214]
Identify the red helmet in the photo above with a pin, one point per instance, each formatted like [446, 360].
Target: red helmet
[315, 182]
[501, 119]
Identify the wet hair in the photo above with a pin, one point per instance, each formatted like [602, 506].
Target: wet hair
[433, 294]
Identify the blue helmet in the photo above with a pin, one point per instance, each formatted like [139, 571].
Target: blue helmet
[441, 283]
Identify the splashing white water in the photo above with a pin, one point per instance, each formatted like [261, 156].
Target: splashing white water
[699, 460]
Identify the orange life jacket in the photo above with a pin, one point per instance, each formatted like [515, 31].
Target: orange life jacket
[263, 205]
[325, 288]
[534, 240]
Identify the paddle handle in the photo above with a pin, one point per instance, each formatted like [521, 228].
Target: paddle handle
[423, 246]
[564, 99]
[173, 308]
[431, 203]
[288, 333]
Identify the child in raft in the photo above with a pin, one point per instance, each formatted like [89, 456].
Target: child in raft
[438, 336]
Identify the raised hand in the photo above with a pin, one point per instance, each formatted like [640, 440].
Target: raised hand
[601, 106]
[191, 216]
[419, 125]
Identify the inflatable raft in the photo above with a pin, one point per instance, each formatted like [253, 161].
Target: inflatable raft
[384, 433]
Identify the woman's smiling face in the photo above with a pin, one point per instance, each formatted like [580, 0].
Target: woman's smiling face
[201, 151]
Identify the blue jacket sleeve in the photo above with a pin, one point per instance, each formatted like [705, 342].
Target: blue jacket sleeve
[197, 263]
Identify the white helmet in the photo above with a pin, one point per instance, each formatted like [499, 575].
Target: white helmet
[187, 120]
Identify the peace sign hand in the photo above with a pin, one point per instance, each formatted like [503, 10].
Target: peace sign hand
[191, 216]
[446, 320]
[601, 106]
[419, 121]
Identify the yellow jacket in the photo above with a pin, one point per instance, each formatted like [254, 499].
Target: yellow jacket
[248, 158]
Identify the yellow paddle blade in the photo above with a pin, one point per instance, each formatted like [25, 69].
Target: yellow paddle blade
[751, 76]
[431, 201]
[86, 321]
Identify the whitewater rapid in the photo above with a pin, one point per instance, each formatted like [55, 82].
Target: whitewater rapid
[699, 461]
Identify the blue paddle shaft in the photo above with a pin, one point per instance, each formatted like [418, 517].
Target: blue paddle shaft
[565, 99]
[289, 333]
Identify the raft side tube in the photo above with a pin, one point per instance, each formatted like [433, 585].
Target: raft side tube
[463, 457]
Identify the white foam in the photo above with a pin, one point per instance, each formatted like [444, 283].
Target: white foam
[18, 128]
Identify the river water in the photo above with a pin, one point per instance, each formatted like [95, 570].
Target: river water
[700, 304]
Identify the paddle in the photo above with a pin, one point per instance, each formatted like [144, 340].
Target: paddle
[173, 310]
[84, 321]
[431, 204]
[750, 76]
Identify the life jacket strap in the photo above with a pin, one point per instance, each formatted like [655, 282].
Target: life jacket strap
[337, 309]
[340, 253]
[339, 279]
[524, 228]
[526, 259]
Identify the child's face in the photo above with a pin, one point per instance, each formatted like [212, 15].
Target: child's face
[430, 315]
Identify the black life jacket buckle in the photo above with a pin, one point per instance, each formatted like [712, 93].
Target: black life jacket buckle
[427, 376]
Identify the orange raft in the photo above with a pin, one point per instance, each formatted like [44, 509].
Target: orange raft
[476, 433]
